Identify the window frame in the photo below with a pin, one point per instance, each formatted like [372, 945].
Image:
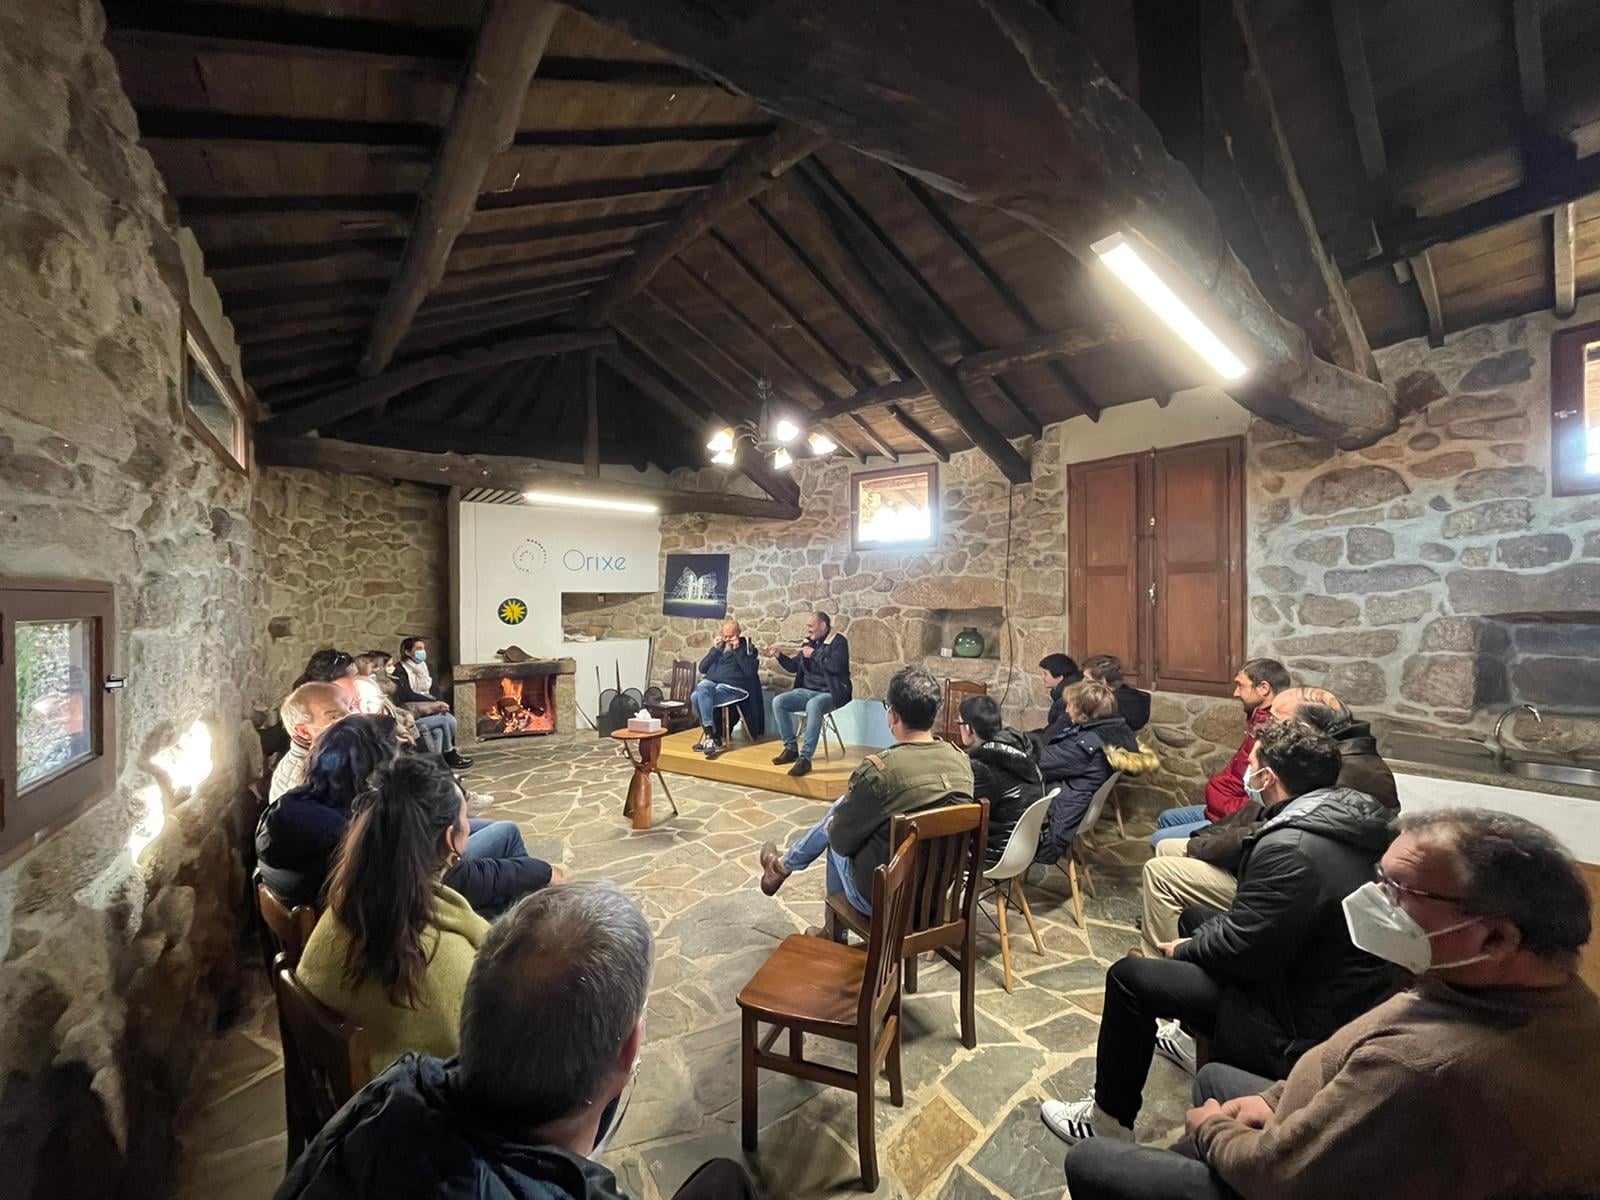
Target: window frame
[26, 821]
[935, 508]
[1568, 429]
[195, 343]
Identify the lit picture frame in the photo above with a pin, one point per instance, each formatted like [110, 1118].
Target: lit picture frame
[895, 509]
[212, 403]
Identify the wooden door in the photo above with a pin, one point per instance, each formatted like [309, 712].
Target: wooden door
[1105, 515]
[1197, 510]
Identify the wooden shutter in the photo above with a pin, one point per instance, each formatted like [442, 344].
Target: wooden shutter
[1104, 512]
[1197, 619]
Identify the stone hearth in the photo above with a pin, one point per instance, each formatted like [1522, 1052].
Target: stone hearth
[467, 676]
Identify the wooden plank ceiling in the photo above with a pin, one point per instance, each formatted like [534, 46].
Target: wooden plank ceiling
[297, 136]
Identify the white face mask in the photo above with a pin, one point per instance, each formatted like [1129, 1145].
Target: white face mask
[1250, 790]
[1382, 928]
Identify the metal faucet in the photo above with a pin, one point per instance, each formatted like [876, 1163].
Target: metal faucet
[1496, 747]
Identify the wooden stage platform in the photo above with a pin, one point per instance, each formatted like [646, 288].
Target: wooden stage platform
[746, 765]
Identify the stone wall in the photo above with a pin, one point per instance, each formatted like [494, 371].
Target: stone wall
[118, 934]
[1381, 573]
[349, 562]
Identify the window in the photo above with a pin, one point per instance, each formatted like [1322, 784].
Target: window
[897, 509]
[57, 740]
[1575, 410]
[1155, 564]
[212, 404]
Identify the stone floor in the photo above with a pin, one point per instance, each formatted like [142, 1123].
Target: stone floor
[970, 1126]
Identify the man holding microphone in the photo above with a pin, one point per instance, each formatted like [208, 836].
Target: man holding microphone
[731, 675]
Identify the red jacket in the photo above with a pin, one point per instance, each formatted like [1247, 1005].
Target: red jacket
[1225, 792]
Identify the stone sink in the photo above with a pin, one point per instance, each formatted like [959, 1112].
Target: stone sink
[1472, 757]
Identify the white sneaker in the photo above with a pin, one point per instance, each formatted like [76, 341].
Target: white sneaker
[478, 802]
[1082, 1120]
[1173, 1044]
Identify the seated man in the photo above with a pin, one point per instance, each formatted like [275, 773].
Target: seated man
[732, 676]
[1361, 767]
[416, 694]
[325, 666]
[1255, 686]
[919, 771]
[1079, 755]
[1273, 975]
[1058, 673]
[525, 1104]
[1475, 1084]
[1005, 770]
[305, 713]
[821, 684]
[1133, 706]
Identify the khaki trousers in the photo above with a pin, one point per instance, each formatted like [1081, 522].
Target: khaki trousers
[1172, 882]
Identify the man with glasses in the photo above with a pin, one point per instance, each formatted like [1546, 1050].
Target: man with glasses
[1477, 1083]
[1276, 972]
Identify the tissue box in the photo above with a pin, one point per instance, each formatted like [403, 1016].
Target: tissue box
[644, 725]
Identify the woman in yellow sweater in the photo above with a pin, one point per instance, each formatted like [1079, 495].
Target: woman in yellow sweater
[393, 948]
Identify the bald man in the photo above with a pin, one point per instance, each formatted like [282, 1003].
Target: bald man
[731, 676]
[1362, 767]
[305, 713]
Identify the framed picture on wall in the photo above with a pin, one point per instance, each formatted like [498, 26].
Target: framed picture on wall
[212, 403]
[696, 585]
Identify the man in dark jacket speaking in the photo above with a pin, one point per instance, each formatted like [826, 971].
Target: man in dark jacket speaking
[731, 676]
[1273, 975]
[551, 1025]
[821, 684]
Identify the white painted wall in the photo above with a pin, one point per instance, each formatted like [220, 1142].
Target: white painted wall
[1575, 820]
[1195, 415]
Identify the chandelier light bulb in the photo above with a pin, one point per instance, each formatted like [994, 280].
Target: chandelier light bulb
[721, 441]
[723, 458]
[781, 459]
[821, 445]
[785, 430]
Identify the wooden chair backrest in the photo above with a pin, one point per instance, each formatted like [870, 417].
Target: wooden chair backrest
[326, 1059]
[289, 928]
[955, 691]
[951, 842]
[681, 686]
[891, 912]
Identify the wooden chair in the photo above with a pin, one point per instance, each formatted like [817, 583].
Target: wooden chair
[326, 1059]
[1084, 837]
[955, 691]
[284, 930]
[843, 993]
[1003, 877]
[678, 714]
[944, 897]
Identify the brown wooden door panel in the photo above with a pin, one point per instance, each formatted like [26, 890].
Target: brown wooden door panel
[1103, 560]
[1197, 503]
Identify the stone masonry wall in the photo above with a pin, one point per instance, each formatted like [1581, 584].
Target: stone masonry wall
[349, 562]
[111, 966]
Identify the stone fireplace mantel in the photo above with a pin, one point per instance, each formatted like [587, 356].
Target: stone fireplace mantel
[466, 677]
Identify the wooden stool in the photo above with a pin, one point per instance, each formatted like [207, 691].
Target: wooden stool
[645, 764]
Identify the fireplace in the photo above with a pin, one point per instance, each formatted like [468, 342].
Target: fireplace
[509, 707]
[512, 700]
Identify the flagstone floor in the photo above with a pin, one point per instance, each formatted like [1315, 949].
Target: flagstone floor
[970, 1127]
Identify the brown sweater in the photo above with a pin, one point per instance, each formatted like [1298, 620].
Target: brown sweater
[1439, 1093]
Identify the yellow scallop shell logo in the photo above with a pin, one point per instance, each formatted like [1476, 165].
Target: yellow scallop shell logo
[513, 612]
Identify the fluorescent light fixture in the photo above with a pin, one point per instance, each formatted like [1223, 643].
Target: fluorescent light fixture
[785, 430]
[821, 444]
[589, 502]
[723, 458]
[721, 441]
[1129, 266]
[781, 459]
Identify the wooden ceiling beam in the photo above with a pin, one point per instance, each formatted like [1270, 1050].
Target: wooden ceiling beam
[893, 79]
[369, 392]
[1564, 242]
[850, 251]
[872, 438]
[750, 173]
[449, 328]
[591, 412]
[496, 412]
[494, 88]
[495, 471]
[362, 264]
[918, 431]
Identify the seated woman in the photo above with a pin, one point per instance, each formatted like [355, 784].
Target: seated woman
[393, 948]
[1079, 756]
[414, 691]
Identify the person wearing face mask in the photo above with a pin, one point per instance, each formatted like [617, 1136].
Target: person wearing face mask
[1276, 972]
[415, 692]
[305, 713]
[1475, 1084]
[527, 1105]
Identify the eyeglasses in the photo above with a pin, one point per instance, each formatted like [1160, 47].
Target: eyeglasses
[1394, 889]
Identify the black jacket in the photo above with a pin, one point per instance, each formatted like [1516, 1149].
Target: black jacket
[1133, 706]
[827, 670]
[1005, 772]
[296, 838]
[741, 669]
[406, 1134]
[1078, 759]
[1282, 953]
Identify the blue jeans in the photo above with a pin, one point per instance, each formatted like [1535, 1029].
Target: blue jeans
[787, 705]
[1179, 822]
[840, 877]
[440, 732]
[496, 871]
[709, 696]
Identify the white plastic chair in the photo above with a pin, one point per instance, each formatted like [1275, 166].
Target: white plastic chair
[1014, 862]
[1097, 806]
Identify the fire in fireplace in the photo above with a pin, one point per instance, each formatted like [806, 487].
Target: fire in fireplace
[516, 707]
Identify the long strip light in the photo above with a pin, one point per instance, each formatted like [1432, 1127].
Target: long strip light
[1130, 267]
[566, 501]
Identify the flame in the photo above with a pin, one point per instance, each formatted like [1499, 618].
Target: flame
[509, 712]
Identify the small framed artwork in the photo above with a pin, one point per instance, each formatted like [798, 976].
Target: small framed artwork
[696, 586]
[212, 403]
[895, 509]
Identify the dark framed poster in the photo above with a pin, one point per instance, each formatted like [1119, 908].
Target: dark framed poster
[696, 585]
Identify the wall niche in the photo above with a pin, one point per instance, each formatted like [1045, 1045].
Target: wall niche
[942, 625]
